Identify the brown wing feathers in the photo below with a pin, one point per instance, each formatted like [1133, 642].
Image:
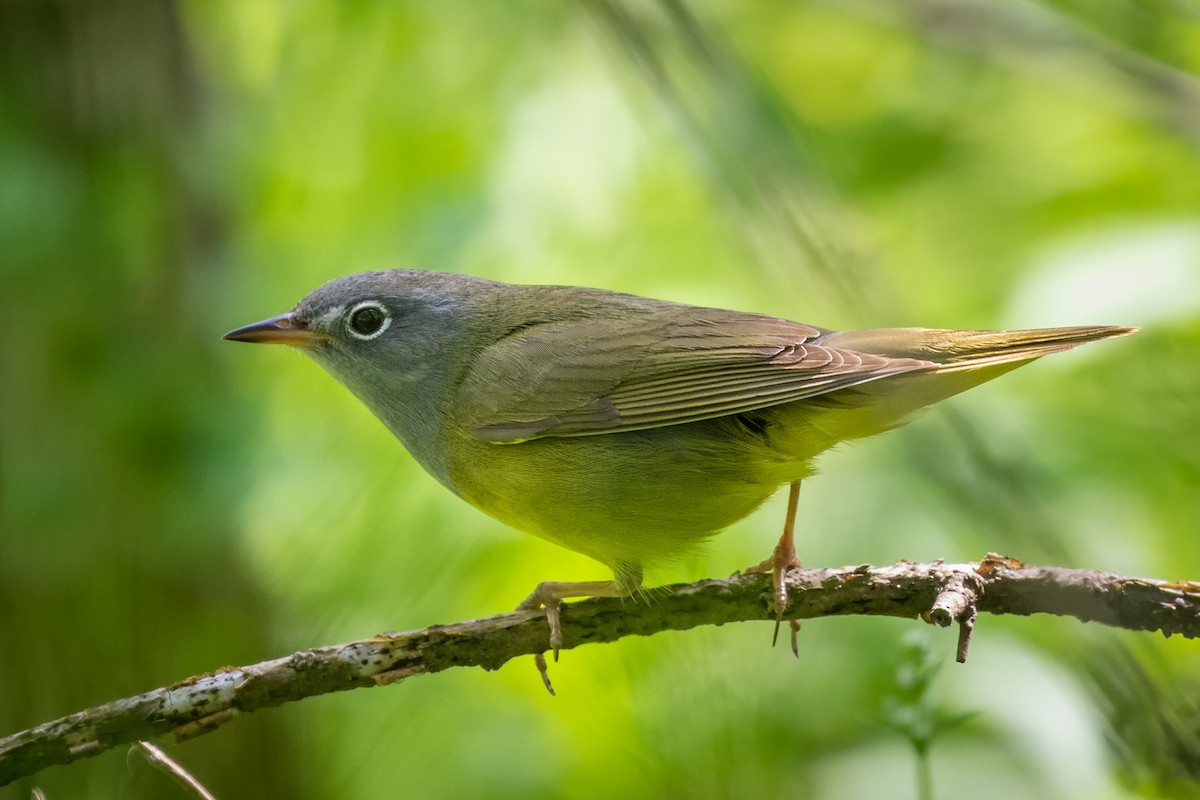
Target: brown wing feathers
[681, 364]
[681, 370]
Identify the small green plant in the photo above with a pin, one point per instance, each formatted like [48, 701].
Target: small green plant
[910, 708]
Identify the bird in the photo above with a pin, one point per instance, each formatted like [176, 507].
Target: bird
[625, 428]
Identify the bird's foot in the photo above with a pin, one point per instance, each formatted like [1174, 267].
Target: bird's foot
[782, 559]
[540, 599]
[550, 594]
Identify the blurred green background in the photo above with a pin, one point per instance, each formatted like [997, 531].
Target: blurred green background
[172, 503]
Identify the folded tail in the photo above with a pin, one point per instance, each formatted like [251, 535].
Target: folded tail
[955, 361]
[958, 350]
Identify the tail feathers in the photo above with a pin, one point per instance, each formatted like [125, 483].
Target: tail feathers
[954, 350]
[954, 362]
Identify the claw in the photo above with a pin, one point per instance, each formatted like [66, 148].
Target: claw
[540, 661]
[794, 625]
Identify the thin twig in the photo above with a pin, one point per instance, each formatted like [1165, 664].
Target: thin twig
[160, 759]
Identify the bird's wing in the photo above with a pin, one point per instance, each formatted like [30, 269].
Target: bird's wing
[595, 376]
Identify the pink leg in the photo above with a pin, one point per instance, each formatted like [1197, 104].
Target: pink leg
[782, 559]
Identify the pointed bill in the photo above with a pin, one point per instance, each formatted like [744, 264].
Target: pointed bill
[277, 330]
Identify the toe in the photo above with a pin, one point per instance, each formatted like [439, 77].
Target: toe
[540, 661]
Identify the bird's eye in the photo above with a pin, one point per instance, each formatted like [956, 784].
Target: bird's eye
[368, 320]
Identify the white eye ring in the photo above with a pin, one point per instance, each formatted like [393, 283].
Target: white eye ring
[384, 320]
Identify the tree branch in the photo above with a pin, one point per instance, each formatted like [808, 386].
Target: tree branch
[939, 593]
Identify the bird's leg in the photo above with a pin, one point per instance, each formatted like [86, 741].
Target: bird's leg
[550, 594]
[782, 559]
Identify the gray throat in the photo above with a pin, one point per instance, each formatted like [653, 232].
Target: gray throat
[408, 405]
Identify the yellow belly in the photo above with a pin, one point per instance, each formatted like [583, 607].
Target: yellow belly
[625, 499]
